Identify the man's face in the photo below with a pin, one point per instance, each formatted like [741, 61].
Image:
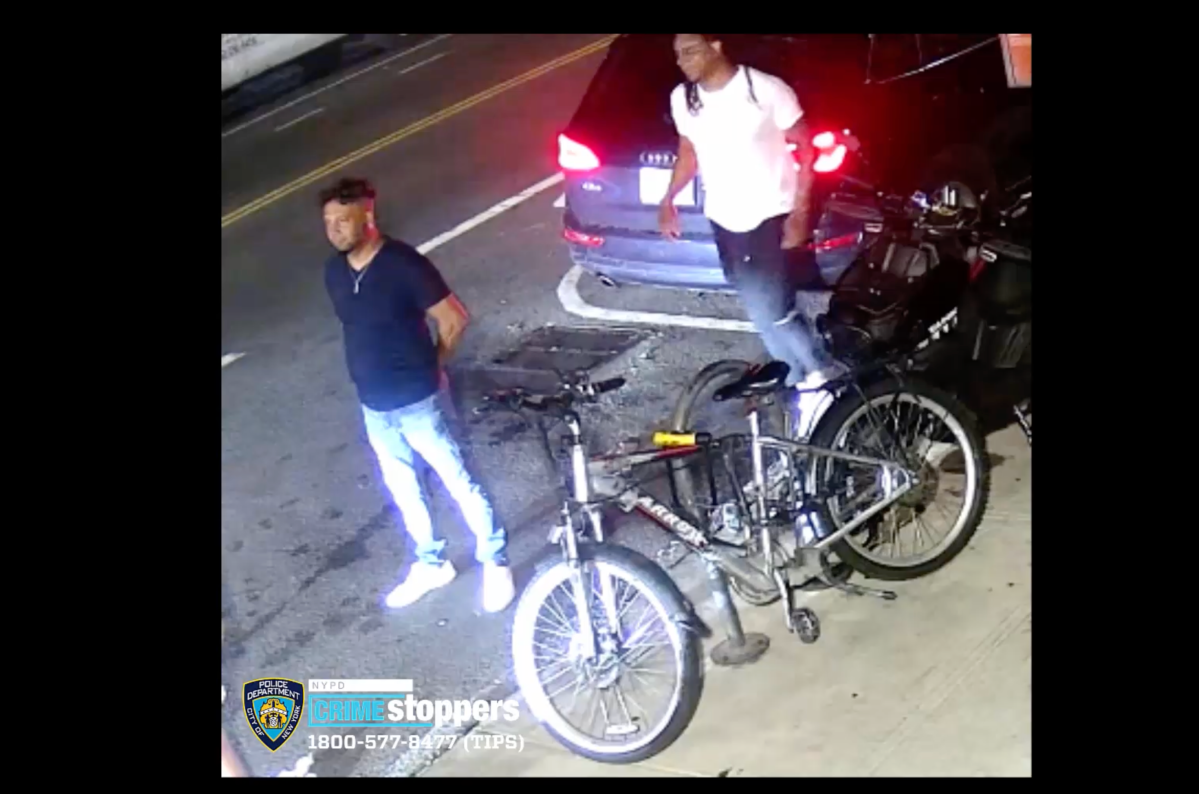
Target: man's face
[695, 55]
[345, 224]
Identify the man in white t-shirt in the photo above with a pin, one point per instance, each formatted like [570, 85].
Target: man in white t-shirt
[735, 126]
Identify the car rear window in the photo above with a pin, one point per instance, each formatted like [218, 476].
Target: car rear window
[636, 78]
[630, 93]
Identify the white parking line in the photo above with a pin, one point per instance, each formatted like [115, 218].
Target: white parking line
[419, 64]
[560, 202]
[295, 121]
[229, 358]
[568, 295]
[488, 214]
[345, 79]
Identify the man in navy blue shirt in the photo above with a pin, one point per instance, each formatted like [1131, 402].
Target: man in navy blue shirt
[384, 292]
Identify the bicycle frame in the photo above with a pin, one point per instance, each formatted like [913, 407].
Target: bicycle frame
[596, 480]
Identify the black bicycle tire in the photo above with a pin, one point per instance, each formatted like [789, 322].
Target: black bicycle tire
[721, 373]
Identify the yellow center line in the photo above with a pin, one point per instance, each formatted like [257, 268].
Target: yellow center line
[399, 135]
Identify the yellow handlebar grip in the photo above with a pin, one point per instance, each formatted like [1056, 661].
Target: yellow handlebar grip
[674, 439]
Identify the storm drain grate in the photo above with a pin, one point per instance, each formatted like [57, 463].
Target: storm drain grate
[568, 349]
[535, 361]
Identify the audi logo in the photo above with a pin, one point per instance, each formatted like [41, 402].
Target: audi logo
[660, 159]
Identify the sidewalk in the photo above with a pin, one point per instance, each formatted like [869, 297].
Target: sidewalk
[937, 683]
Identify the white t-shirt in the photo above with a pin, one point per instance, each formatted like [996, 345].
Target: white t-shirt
[748, 173]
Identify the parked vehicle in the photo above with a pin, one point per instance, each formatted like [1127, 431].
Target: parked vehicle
[903, 111]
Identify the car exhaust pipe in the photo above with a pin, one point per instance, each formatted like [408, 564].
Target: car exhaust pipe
[607, 282]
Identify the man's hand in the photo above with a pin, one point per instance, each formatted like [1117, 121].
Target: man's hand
[668, 220]
[451, 319]
[795, 228]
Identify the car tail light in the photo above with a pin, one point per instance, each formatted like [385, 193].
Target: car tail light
[589, 240]
[831, 154]
[574, 156]
[833, 243]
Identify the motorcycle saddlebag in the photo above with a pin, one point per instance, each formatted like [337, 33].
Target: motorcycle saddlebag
[997, 314]
[1004, 287]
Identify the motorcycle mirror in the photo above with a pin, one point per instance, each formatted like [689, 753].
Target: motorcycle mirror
[953, 197]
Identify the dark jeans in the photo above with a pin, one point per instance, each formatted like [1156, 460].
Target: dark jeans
[756, 265]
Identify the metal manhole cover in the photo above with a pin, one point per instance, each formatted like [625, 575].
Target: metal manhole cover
[567, 349]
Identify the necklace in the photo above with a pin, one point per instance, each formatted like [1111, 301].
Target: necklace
[361, 274]
[358, 277]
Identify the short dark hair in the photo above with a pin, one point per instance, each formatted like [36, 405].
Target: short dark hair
[348, 190]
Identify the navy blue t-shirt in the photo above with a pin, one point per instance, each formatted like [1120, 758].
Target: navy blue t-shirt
[389, 349]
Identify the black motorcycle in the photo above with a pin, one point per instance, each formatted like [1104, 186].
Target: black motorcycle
[945, 276]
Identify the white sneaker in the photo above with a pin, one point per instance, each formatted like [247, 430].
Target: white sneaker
[498, 587]
[423, 578]
[811, 405]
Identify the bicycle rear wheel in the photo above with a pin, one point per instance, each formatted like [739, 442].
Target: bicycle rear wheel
[695, 412]
[613, 687]
[925, 429]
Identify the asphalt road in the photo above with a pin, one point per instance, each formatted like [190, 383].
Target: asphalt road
[310, 543]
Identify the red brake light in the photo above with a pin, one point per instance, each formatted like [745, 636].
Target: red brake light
[589, 240]
[831, 154]
[834, 243]
[830, 161]
[574, 156]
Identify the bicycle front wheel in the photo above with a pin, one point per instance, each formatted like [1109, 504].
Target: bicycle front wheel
[605, 708]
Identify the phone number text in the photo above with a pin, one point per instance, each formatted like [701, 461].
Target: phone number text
[381, 741]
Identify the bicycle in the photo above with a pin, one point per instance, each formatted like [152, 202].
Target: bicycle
[596, 647]
[799, 488]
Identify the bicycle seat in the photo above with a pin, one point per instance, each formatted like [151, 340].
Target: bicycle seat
[766, 379]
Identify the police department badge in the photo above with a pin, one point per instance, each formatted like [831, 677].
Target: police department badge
[273, 708]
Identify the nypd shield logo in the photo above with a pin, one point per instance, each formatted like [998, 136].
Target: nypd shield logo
[273, 707]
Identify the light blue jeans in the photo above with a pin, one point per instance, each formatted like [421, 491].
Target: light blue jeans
[421, 429]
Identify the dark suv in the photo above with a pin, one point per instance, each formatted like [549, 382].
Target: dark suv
[893, 111]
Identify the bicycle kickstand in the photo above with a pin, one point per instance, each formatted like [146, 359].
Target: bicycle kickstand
[829, 578]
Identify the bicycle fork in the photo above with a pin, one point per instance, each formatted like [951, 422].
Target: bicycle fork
[580, 588]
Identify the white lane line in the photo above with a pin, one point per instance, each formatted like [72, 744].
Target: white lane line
[294, 121]
[560, 202]
[568, 295]
[488, 214]
[345, 79]
[425, 62]
[461, 229]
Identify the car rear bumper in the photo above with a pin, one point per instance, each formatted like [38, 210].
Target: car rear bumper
[646, 258]
[635, 259]
[694, 263]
